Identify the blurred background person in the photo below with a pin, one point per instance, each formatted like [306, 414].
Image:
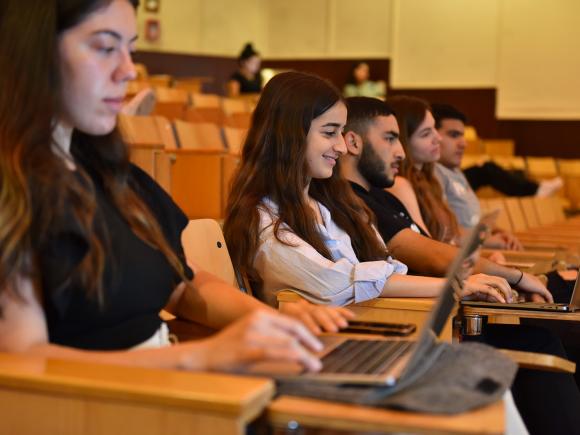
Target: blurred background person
[247, 79]
[360, 85]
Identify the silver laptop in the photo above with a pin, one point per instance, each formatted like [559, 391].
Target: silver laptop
[385, 361]
[570, 307]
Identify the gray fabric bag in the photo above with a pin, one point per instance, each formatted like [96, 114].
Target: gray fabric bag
[455, 379]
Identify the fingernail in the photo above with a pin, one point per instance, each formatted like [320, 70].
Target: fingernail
[318, 344]
[316, 365]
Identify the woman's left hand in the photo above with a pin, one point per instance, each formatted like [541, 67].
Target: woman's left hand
[318, 318]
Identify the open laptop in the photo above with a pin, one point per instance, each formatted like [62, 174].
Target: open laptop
[384, 361]
[572, 306]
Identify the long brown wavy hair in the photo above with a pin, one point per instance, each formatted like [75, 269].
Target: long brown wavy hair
[273, 165]
[440, 220]
[37, 191]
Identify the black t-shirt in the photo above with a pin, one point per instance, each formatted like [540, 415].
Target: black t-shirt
[392, 216]
[137, 283]
[248, 86]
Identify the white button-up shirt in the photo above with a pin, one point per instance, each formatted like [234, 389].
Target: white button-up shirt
[298, 266]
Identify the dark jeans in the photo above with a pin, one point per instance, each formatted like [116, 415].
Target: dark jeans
[512, 183]
[548, 402]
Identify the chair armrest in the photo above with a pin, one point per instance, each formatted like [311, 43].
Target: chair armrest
[540, 361]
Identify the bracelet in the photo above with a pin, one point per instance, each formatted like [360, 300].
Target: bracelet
[519, 280]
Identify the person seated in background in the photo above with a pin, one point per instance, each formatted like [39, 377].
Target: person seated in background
[459, 185]
[360, 85]
[293, 222]
[372, 161]
[247, 79]
[90, 244]
[418, 187]
[450, 124]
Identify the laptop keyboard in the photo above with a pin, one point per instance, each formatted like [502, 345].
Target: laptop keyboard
[364, 356]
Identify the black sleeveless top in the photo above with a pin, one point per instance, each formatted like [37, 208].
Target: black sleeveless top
[248, 86]
[138, 280]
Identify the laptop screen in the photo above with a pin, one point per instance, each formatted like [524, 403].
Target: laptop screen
[457, 273]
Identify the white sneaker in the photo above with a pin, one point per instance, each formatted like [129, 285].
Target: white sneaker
[549, 187]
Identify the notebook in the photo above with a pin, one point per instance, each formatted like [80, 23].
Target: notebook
[386, 361]
[572, 306]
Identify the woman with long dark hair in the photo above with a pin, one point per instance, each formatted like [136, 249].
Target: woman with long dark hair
[420, 141]
[90, 246]
[292, 221]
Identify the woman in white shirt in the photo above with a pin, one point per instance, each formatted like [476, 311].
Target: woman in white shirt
[293, 222]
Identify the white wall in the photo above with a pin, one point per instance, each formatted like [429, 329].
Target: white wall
[528, 49]
[213, 27]
[279, 28]
[444, 43]
[539, 60]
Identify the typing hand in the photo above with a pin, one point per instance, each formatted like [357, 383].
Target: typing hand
[318, 318]
[486, 288]
[259, 337]
[534, 289]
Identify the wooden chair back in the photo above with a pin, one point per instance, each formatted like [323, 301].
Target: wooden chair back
[239, 120]
[503, 220]
[540, 168]
[474, 147]
[214, 115]
[235, 105]
[171, 103]
[204, 244]
[470, 132]
[510, 163]
[473, 160]
[570, 171]
[235, 138]
[193, 85]
[199, 136]
[148, 137]
[136, 86]
[160, 80]
[473, 141]
[206, 100]
[499, 147]
[516, 215]
[549, 210]
[529, 210]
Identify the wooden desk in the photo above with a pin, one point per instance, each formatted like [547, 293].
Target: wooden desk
[39, 395]
[513, 316]
[389, 310]
[319, 414]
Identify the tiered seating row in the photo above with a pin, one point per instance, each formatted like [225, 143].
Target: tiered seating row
[194, 162]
